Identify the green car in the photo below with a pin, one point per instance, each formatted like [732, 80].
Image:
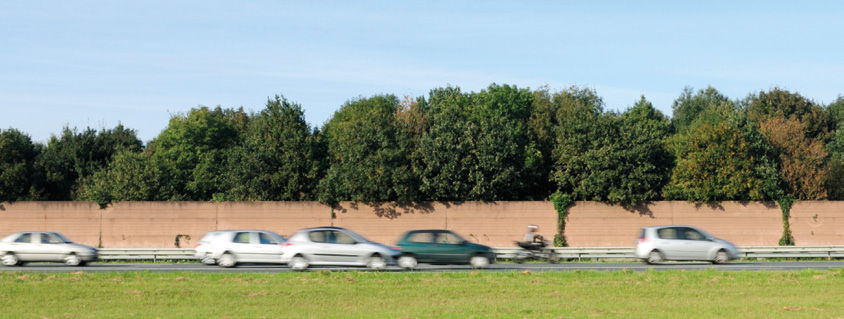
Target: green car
[440, 246]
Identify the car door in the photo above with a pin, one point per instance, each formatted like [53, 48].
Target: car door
[696, 245]
[268, 248]
[450, 248]
[423, 245]
[51, 247]
[669, 242]
[242, 246]
[23, 247]
[319, 250]
[346, 249]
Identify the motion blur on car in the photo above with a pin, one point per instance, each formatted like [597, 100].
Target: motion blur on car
[439, 246]
[20, 248]
[677, 242]
[228, 248]
[335, 246]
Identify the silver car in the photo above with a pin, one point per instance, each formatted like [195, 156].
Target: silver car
[227, 248]
[678, 242]
[335, 246]
[19, 248]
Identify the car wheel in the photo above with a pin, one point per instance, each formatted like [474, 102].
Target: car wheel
[226, 261]
[10, 260]
[208, 261]
[72, 260]
[655, 257]
[407, 262]
[376, 263]
[721, 257]
[479, 262]
[298, 263]
[553, 258]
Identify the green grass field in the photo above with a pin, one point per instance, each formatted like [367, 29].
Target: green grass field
[322, 294]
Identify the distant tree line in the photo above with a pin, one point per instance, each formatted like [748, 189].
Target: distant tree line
[502, 143]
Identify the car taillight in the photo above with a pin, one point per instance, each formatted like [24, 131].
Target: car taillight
[397, 248]
[641, 240]
[288, 244]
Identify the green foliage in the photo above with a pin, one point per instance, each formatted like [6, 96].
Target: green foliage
[689, 105]
[366, 159]
[477, 146]
[785, 205]
[561, 205]
[129, 176]
[191, 153]
[816, 121]
[835, 179]
[75, 155]
[281, 157]
[611, 157]
[720, 156]
[17, 155]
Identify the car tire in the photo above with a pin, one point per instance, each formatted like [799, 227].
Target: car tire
[376, 262]
[227, 260]
[298, 263]
[72, 260]
[206, 260]
[10, 260]
[655, 257]
[479, 261]
[721, 257]
[407, 262]
[553, 258]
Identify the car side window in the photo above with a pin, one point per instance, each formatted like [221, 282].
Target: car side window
[423, 238]
[25, 238]
[448, 238]
[667, 233]
[691, 234]
[317, 236]
[241, 238]
[267, 239]
[345, 239]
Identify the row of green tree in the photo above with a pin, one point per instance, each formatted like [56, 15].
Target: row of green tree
[502, 143]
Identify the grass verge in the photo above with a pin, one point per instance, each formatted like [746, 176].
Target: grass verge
[323, 294]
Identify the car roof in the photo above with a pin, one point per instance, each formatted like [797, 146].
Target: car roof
[666, 226]
[324, 228]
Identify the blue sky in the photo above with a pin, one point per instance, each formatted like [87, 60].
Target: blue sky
[97, 64]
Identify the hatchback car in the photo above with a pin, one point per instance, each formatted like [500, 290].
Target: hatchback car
[335, 246]
[19, 248]
[227, 248]
[677, 242]
[439, 246]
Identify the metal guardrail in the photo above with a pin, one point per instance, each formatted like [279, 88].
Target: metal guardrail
[154, 254]
[579, 253]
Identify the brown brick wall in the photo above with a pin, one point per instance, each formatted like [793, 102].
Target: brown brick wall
[156, 224]
[592, 224]
[817, 223]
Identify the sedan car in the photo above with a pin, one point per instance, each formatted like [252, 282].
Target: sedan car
[227, 248]
[19, 248]
[440, 246]
[335, 246]
[678, 242]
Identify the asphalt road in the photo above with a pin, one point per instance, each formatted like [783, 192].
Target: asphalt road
[168, 267]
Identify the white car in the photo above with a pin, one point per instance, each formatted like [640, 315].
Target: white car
[227, 248]
[19, 248]
[335, 246]
[678, 242]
